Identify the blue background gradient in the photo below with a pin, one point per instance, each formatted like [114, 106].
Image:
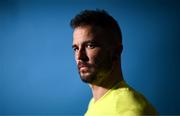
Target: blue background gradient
[38, 74]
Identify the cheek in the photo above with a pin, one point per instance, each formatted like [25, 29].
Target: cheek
[101, 58]
[75, 58]
[94, 55]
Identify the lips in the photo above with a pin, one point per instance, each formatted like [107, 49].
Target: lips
[82, 65]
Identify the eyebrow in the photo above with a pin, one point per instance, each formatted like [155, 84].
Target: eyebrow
[73, 46]
[86, 42]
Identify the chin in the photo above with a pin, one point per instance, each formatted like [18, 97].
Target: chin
[87, 78]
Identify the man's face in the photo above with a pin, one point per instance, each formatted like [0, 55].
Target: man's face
[93, 53]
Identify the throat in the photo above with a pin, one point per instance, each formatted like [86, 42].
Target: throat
[105, 81]
[98, 92]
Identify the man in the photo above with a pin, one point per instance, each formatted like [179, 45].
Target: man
[97, 45]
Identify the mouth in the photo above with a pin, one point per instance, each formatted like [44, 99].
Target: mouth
[83, 66]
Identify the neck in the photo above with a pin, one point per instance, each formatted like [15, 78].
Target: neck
[98, 90]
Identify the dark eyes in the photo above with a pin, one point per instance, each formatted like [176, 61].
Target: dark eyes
[75, 49]
[90, 45]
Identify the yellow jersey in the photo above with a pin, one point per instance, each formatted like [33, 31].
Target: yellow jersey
[120, 100]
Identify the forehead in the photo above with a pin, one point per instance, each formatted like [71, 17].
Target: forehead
[86, 33]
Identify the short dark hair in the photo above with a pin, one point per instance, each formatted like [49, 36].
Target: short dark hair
[98, 18]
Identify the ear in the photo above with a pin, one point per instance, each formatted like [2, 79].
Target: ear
[117, 52]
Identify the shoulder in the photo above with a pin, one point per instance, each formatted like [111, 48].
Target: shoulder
[132, 102]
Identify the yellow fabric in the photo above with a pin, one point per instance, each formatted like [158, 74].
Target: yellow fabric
[121, 100]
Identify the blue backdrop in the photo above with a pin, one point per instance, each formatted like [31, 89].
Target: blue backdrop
[37, 70]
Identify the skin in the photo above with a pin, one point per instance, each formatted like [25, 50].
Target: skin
[95, 55]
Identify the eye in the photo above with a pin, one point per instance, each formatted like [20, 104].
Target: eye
[91, 46]
[75, 49]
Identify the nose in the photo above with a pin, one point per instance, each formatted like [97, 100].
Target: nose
[81, 55]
